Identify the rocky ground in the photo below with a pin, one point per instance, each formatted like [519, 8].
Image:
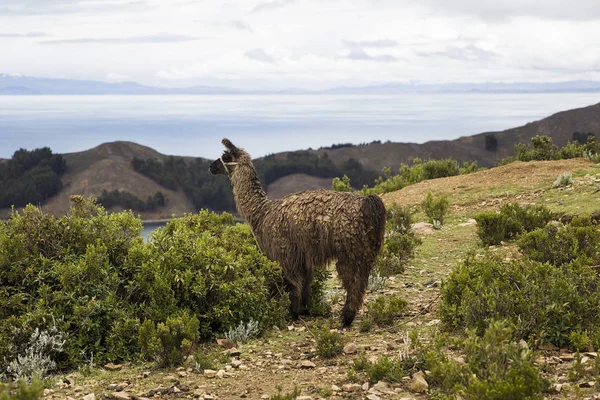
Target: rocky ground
[286, 359]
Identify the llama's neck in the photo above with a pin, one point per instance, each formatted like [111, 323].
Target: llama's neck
[250, 198]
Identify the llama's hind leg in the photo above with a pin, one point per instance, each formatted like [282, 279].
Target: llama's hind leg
[306, 286]
[294, 291]
[355, 282]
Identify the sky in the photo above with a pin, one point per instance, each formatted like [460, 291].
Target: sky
[310, 44]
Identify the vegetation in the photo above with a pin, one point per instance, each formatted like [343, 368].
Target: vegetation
[130, 202]
[30, 177]
[543, 149]
[435, 208]
[330, 343]
[90, 278]
[22, 390]
[385, 309]
[512, 220]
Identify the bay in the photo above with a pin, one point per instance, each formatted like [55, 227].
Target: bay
[193, 125]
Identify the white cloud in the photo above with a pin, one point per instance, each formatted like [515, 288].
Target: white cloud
[302, 43]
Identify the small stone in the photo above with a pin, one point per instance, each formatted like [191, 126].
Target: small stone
[383, 387]
[221, 374]
[114, 387]
[233, 352]
[567, 357]
[336, 388]
[236, 363]
[588, 384]
[113, 367]
[78, 389]
[303, 398]
[48, 392]
[226, 343]
[146, 374]
[591, 354]
[120, 396]
[350, 348]
[365, 386]
[351, 387]
[182, 374]
[557, 388]
[265, 396]
[307, 364]
[210, 373]
[208, 397]
[90, 396]
[176, 389]
[418, 384]
[373, 397]
[433, 322]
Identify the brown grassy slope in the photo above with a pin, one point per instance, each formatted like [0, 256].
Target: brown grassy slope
[108, 167]
[560, 127]
[506, 181]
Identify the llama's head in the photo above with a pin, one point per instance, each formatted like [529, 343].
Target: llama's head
[231, 158]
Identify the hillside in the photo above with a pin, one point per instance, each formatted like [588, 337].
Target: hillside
[108, 166]
[288, 358]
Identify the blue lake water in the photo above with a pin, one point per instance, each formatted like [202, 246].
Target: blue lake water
[263, 124]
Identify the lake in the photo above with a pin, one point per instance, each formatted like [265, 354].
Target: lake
[193, 125]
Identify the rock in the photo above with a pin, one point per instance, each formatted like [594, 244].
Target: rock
[221, 374]
[113, 367]
[90, 396]
[418, 384]
[557, 387]
[210, 373]
[373, 397]
[236, 363]
[365, 386]
[146, 374]
[591, 354]
[383, 387]
[567, 357]
[350, 348]
[48, 392]
[336, 388]
[226, 343]
[303, 398]
[423, 228]
[120, 396]
[307, 364]
[182, 374]
[589, 384]
[78, 389]
[351, 387]
[176, 389]
[115, 387]
[433, 322]
[232, 352]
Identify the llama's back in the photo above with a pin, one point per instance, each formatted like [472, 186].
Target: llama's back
[325, 224]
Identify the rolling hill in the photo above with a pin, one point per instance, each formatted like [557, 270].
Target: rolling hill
[109, 165]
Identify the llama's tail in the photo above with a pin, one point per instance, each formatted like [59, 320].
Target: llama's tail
[374, 212]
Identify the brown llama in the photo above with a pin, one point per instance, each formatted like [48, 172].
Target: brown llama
[308, 229]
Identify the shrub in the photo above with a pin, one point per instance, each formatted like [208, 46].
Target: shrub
[541, 301]
[496, 368]
[38, 358]
[513, 219]
[243, 332]
[387, 368]
[341, 185]
[286, 396]
[22, 390]
[169, 343]
[385, 309]
[469, 168]
[329, 343]
[559, 244]
[563, 180]
[433, 169]
[435, 207]
[571, 150]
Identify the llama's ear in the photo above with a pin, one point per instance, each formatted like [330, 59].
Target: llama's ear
[230, 146]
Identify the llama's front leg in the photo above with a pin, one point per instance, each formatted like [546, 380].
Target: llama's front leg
[293, 289]
[306, 286]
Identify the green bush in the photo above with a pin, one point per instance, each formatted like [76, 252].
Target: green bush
[559, 244]
[387, 368]
[169, 343]
[329, 343]
[433, 169]
[341, 185]
[22, 390]
[513, 219]
[542, 301]
[385, 309]
[435, 208]
[496, 368]
[92, 276]
[565, 179]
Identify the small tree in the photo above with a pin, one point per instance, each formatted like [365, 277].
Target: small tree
[435, 208]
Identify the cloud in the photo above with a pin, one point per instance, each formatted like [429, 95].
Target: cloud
[116, 77]
[360, 54]
[259, 55]
[24, 35]
[380, 44]
[240, 25]
[50, 7]
[272, 5]
[465, 53]
[158, 38]
[494, 10]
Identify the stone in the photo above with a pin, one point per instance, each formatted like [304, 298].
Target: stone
[232, 352]
[336, 388]
[120, 396]
[225, 343]
[423, 228]
[90, 396]
[48, 392]
[78, 389]
[588, 384]
[365, 386]
[236, 363]
[210, 373]
[351, 387]
[418, 384]
[113, 367]
[383, 387]
[373, 397]
[307, 364]
[146, 374]
[304, 398]
[221, 374]
[567, 357]
[350, 348]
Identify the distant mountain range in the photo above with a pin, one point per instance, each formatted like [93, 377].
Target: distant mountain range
[22, 85]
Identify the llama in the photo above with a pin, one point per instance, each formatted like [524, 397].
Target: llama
[308, 229]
